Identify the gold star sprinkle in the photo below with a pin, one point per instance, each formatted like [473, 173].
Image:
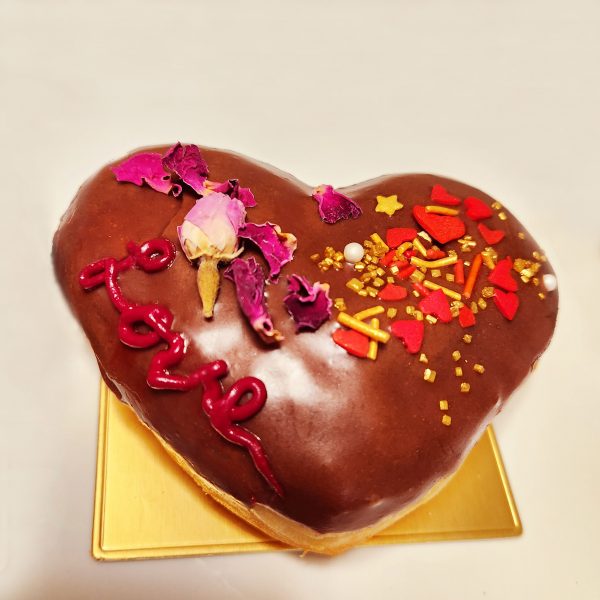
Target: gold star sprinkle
[443, 404]
[429, 375]
[388, 204]
[446, 420]
[465, 387]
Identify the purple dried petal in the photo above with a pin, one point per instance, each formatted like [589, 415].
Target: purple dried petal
[277, 247]
[333, 206]
[249, 279]
[309, 305]
[186, 161]
[146, 167]
[232, 188]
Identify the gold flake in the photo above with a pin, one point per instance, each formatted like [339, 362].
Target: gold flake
[502, 216]
[392, 312]
[465, 387]
[423, 358]
[482, 304]
[315, 257]
[456, 355]
[431, 319]
[467, 338]
[429, 375]
[340, 304]
[521, 235]
[450, 277]
[339, 256]
[436, 273]
[478, 368]
[433, 264]
[496, 205]
[446, 420]
[458, 371]
[443, 404]
[541, 295]
[487, 291]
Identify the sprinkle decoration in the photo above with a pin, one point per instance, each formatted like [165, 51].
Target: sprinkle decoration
[477, 210]
[501, 276]
[440, 195]
[507, 303]
[335, 206]
[466, 318]
[398, 235]
[222, 408]
[353, 342]
[459, 272]
[436, 304]
[388, 205]
[440, 227]
[369, 312]
[491, 236]
[375, 334]
[392, 292]
[410, 332]
[373, 345]
[470, 283]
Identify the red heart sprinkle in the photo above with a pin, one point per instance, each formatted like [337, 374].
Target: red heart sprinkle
[466, 318]
[407, 272]
[477, 209]
[501, 275]
[410, 332]
[507, 303]
[441, 196]
[388, 258]
[392, 292]
[352, 342]
[433, 254]
[440, 227]
[398, 235]
[436, 304]
[491, 236]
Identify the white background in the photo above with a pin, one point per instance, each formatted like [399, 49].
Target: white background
[503, 95]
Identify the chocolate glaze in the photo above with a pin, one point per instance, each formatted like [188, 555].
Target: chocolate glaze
[350, 440]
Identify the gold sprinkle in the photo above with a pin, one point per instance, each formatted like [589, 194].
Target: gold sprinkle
[482, 304]
[488, 259]
[368, 244]
[416, 294]
[402, 248]
[502, 216]
[536, 255]
[456, 355]
[369, 312]
[359, 266]
[443, 404]
[339, 256]
[474, 308]
[434, 264]
[315, 257]
[431, 319]
[436, 273]
[394, 270]
[446, 420]
[465, 387]
[362, 293]
[340, 304]
[478, 368]
[487, 291]
[373, 345]
[496, 205]
[425, 236]
[429, 375]
[458, 371]
[434, 286]
[392, 312]
[375, 334]
[521, 235]
[379, 242]
[372, 291]
[467, 263]
[337, 265]
[541, 295]
[535, 281]
[450, 277]
[365, 277]
[378, 282]
[417, 276]
[410, 310]
[418, 315]
[441, 210]
[355, 285]
[418, 244]
[423, 358]
[329, 251]
[467, 338]
[454, 311]
[390, 279]
[380, 271]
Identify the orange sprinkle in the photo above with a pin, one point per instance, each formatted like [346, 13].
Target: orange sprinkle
[470, 284]
[459, 272]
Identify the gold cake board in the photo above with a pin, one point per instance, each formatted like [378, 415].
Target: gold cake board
[147, 507]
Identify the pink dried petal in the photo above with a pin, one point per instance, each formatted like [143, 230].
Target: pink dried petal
[187, 163]
[249, 279]
[232, 188]
[333, 206]
[146, 167]
[309, 305]
[277, 247]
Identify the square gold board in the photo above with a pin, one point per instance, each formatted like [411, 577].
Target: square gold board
[147, 507]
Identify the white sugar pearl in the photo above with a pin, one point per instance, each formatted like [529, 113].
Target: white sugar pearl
[550, 282]
[353, 252]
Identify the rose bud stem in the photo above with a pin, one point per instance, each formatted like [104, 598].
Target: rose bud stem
[208, 284]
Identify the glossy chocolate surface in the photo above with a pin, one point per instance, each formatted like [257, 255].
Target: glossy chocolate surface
[350, 440]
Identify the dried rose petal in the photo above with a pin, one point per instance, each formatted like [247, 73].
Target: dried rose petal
[333, 206]
[146, 167]
[309, 305]
[249, 279]
[187, 163]
[277, 247]
[232, 188]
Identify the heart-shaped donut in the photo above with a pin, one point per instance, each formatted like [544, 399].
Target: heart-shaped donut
[267, 334]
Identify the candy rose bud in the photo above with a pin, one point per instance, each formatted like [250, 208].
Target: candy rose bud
[210, 233]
